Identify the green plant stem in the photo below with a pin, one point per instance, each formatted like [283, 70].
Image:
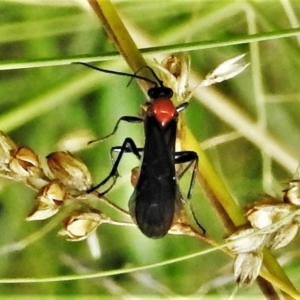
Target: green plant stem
[118, 33]
[287, 289]
[14, 64]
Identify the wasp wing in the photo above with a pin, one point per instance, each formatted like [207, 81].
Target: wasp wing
[152, 204]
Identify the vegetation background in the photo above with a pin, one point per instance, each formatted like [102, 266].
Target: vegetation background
[40, 106]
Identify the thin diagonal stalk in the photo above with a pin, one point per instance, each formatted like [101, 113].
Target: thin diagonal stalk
[122, 40]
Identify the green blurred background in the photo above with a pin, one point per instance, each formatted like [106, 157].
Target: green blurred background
[39, 106]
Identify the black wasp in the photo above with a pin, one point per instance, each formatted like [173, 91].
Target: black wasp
[156, 196]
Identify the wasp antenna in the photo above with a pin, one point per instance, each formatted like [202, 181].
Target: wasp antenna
[160, 82]
[155, 76]
[116, 72]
